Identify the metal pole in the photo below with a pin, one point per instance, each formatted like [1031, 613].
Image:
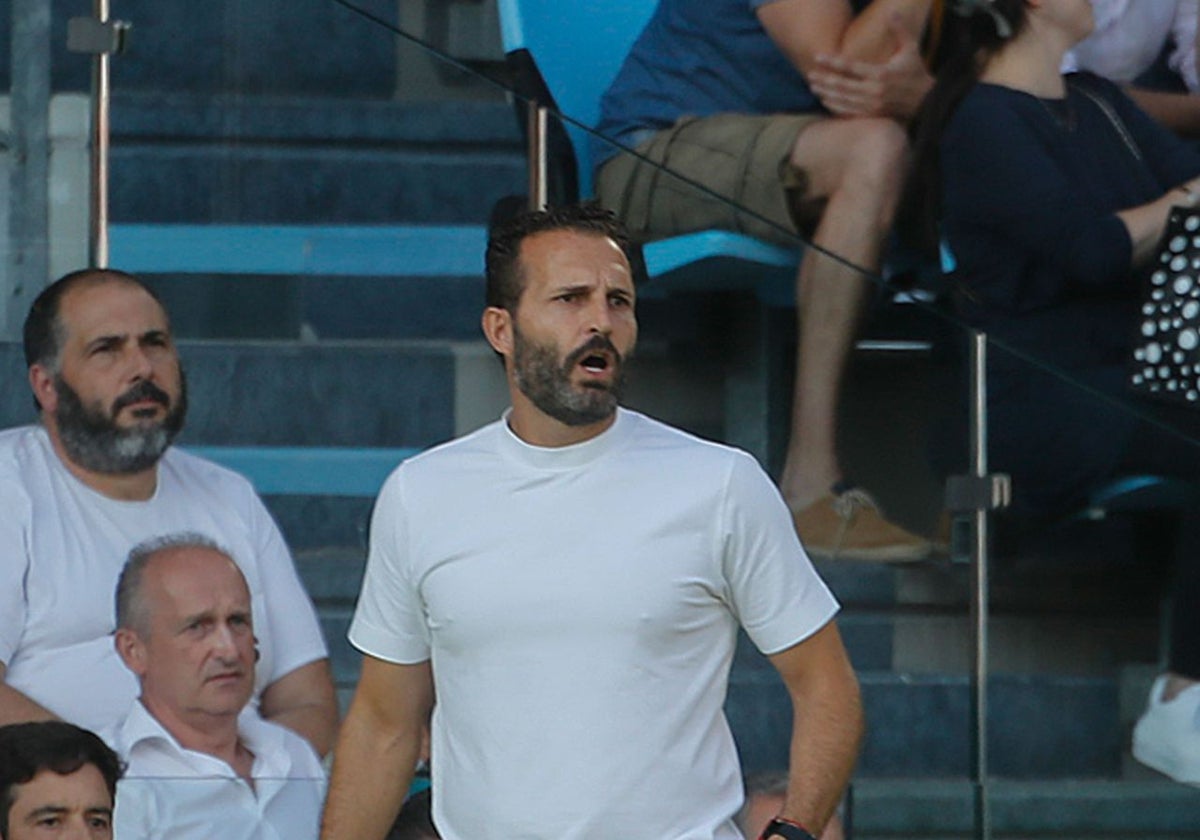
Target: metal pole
[979, 592]
[27, 262]
[101, 101]
[539, 120]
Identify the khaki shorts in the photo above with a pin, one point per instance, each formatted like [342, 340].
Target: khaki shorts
[742, 158]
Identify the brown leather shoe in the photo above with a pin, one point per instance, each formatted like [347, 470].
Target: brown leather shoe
[849, 526]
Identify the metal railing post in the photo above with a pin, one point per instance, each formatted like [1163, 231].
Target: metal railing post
[539, 121]
[979, 593]
[979, 493]
[101, 37]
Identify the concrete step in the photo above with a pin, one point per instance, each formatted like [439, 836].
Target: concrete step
[264, 159]
[1042, 726]
[1068, 809]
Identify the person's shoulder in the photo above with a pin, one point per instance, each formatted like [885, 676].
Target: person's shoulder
[20, 442]
[648, 434]
[1095, 83]
[464, 450]
[136, 727]
[192, 471]
[25, 454]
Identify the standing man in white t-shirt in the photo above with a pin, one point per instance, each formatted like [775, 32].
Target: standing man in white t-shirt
[570, 580]
[97, 476]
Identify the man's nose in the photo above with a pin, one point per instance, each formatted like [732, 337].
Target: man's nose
[139, 364]
[224, 642]
[600, 317]
[77, 829]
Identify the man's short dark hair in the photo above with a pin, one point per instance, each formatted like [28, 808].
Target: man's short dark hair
[505, 281]
[27, 749]
[43, 334]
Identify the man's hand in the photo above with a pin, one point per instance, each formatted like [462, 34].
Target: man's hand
[894, 88]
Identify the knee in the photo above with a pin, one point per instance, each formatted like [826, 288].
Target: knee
[878, 158]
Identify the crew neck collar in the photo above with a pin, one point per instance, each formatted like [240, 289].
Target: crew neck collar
[562, 457]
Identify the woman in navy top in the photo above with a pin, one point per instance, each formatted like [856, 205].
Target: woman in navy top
[1051, 192]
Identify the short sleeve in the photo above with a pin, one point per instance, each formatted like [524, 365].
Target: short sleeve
[777, 595]
[389, 621]
[14, 565]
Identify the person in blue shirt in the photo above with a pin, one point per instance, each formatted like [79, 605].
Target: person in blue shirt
[792, 110]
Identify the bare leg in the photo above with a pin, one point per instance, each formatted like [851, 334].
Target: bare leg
[858, 165]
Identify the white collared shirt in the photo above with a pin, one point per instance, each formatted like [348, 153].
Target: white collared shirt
[1129, 36]
[172, 793]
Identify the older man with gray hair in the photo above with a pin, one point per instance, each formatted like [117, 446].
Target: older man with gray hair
[202, 763]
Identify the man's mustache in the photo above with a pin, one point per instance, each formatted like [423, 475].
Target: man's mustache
[596, 342]
[144, 390]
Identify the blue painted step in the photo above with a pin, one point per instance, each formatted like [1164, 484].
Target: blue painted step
[310, 160]
[1042, 726]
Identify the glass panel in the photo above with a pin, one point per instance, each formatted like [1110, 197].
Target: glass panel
[323, 172]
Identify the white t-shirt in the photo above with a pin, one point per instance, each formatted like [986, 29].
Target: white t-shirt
[172, 793]
[580, 607]
[62, 546]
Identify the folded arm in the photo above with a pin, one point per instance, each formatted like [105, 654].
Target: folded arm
[864, 65]
[304, 701]
[18, 707]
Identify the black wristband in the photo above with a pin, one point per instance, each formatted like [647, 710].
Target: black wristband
[786, 829]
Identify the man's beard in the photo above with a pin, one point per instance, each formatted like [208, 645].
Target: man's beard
[547, 383]
[93, 440]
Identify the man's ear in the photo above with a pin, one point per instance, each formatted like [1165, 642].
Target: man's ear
[41, 380]
[498, 329]
[131, 649]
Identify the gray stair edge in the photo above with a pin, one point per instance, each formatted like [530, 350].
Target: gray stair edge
[945, 807]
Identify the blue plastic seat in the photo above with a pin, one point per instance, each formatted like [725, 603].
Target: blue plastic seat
[564, 55]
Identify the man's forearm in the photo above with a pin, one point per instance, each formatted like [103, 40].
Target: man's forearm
[870, 36]
[17, 707]
[827, 731]
[371, 775]
[315, 722]
[304, 701]
[1180, 112]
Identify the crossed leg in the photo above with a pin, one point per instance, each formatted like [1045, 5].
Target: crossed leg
[857, 166]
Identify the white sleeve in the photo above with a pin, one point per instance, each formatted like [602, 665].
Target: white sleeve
[296, 637]
[777, 594]
[1183, 34]
[14, 565]
[389, 621]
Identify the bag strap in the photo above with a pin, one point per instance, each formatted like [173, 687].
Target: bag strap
[1114, 118]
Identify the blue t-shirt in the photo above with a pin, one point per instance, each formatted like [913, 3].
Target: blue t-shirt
[699, 58]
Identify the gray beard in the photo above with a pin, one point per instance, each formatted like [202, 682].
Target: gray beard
[92, 439]
[547, 384]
